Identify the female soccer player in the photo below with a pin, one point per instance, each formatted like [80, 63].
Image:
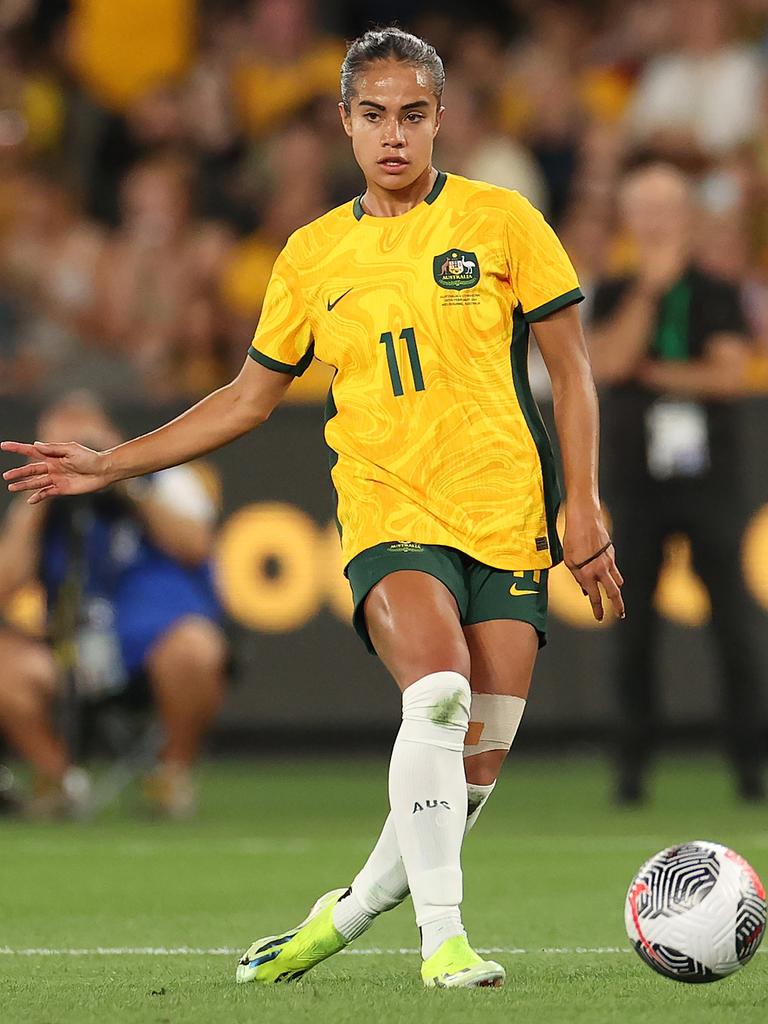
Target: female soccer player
[420, 294]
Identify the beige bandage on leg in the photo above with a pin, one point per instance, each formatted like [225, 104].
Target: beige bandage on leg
[493, 722]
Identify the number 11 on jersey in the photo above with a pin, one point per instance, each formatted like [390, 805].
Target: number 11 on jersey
[409, 337]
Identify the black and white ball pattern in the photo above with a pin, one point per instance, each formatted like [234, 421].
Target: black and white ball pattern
[696, 912]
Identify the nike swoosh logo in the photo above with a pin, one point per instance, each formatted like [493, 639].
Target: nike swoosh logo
[335, 301]
[521, 593]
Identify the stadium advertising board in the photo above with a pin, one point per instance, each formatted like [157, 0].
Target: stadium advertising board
[298, 664]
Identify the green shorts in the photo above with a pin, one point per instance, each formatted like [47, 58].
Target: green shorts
[482, 592]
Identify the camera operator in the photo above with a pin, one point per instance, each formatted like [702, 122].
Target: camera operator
[130, 609]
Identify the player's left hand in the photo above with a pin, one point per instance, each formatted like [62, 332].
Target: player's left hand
[581, 544]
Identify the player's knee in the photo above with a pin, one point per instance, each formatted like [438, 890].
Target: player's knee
[424, 658]
[442, 658]
[436, 710]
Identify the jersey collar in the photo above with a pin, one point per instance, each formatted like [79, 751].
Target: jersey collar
[434, 192]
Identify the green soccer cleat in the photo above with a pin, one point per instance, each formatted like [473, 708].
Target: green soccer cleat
[457, 965]
[287, 957]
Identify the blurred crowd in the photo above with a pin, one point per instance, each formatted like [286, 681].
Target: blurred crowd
[156, 154]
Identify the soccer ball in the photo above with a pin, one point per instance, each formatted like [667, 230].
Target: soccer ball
[696, 912]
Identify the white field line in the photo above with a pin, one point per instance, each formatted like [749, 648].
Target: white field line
[228, 951]
[375, 951]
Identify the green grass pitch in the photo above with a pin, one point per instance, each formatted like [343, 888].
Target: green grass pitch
[546, 872]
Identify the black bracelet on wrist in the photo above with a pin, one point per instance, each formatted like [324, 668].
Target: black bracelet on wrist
[591, 558]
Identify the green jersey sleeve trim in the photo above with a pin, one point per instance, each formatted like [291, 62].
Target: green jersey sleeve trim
[295, 370]
[567, 299]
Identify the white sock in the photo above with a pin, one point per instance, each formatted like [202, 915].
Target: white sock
[381, 884]
[428, 798]
[477, 797]
[350, 918]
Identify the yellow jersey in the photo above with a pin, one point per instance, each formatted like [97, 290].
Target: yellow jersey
[434, 435]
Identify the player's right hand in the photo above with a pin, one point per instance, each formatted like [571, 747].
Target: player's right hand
[56, 469]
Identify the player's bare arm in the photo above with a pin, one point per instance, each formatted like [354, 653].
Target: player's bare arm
[66, 468]
[587, 549]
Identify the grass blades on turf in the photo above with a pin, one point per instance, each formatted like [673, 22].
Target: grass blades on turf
[546, 869]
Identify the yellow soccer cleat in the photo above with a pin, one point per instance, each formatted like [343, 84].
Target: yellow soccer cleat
[288, 956]
[457, 965]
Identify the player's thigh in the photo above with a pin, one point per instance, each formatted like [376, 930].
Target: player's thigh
[505, 625]
[503, 654]
[414, 624]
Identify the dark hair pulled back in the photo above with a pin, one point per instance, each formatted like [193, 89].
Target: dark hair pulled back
[389, 43]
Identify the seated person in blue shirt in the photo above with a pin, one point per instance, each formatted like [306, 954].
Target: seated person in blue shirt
[126, 575]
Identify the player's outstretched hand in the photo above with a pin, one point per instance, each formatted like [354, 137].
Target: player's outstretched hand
[593, 566]
[55, 469]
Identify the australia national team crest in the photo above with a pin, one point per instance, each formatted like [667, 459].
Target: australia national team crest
[456, 269]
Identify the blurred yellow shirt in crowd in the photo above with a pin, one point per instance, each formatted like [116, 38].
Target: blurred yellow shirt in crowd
[245, 277]
[120, 50]
[267, 94]
[434, 434]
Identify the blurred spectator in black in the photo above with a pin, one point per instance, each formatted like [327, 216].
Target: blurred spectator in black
[158, 283]
[702, 99]
[127, 581]
[669, 345]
